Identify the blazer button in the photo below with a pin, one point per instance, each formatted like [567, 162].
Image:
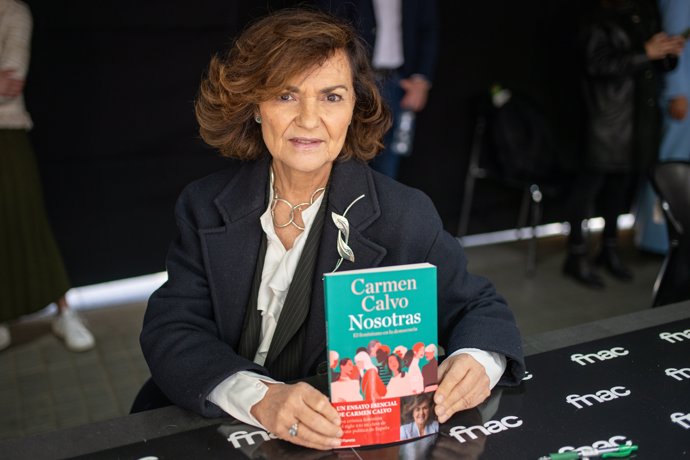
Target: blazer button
[650, 102]
[322, 368]
[648, 74]
[635, 18]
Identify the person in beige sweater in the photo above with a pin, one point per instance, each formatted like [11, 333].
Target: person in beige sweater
[32, 274]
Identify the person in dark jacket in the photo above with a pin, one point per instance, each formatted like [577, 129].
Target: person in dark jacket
[403, 39]
[243, 308]
[623, 52]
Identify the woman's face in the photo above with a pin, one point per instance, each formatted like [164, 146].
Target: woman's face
[305, 126]
[393, 364]
[346, 368]
[421, 413]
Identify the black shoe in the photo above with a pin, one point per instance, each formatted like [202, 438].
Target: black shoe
[611, 261]
[578, 267]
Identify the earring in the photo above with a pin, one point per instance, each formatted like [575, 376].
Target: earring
[257, 119]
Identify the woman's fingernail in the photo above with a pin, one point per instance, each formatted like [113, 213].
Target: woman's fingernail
[335, 443]
[438, 399]
[440, 410]
[339, 434]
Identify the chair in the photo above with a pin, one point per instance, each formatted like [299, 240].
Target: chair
[671, 182]
[511, 144]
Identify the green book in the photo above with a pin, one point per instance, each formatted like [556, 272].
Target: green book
[381, 325]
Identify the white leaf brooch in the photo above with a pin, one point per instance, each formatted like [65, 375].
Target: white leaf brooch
[343, 226]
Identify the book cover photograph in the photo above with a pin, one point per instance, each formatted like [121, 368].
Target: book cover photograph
[381, 325]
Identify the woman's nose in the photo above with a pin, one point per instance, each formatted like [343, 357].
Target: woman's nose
[308, 116]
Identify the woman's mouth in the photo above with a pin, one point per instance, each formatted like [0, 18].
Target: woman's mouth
[305, 142]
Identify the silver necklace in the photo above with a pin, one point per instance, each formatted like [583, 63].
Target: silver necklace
[293, 207]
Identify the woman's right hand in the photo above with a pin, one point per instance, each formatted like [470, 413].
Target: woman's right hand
[318, 423]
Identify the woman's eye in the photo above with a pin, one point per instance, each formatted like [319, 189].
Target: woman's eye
[286, 97]
[334, 98]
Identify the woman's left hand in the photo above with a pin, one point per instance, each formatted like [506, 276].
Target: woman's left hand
[464, 385]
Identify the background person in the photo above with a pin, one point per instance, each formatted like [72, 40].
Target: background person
[650, 226]
[403, 37]
[622, 49]
[301, 108]
[32, 273]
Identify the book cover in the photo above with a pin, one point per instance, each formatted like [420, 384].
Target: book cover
[381, 325]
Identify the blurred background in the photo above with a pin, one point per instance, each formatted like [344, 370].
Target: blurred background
[111, 87]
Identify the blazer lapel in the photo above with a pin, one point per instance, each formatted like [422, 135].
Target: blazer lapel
[349, 180]
[231, 250]
[296, 306]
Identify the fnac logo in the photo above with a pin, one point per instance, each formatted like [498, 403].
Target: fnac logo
[489, 428]
[603, 355]
[238, 436]
[681, 419]
[678, 374]
[613, 441]
[673, 337]
[600, 396]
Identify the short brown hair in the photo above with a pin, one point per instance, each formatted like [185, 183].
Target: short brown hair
[265, 56]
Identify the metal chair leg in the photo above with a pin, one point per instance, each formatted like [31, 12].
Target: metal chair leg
[474, 171]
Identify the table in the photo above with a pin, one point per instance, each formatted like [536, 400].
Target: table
[623, 379]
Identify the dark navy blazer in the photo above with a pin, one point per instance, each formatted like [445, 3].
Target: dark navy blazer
[194, 321]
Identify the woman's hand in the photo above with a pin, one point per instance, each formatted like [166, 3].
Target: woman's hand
[463, 385]
[678, 107]
[318, 423]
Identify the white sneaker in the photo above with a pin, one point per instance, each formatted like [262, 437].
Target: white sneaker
[5, 337]
[70, 327]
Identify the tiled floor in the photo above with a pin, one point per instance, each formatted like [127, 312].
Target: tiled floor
[43, 387]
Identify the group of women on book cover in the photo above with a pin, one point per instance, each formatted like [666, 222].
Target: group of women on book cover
[376, 373]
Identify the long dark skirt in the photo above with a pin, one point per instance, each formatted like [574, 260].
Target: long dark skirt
[32, 274]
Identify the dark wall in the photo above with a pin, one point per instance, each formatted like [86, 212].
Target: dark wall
[528, 47]
[111, 89]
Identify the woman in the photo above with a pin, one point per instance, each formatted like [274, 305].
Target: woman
[414, 372]
[32, 274]
[417, 419]
[346, 388]
[242, 309]
[373, 387]
[398, 384]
